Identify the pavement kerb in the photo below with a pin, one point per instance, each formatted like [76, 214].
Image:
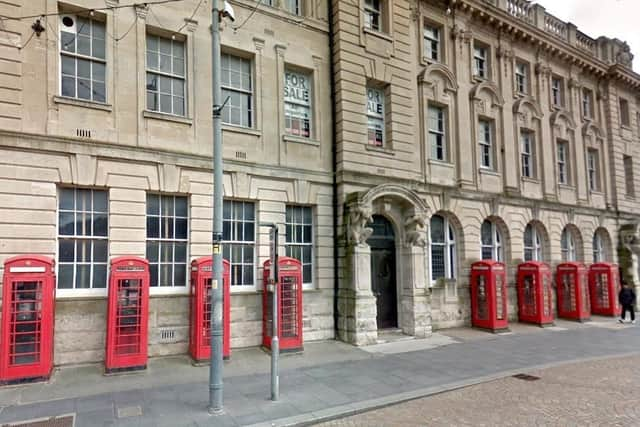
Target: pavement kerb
[350, 409]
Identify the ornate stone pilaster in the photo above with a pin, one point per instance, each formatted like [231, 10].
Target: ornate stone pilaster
[630, 240]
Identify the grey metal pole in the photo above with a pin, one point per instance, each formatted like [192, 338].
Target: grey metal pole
[275, 341]
[215, 369]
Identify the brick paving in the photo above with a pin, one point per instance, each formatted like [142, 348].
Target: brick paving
[595, 393]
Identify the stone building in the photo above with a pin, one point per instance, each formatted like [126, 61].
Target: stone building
[468, 130]
[106, 130]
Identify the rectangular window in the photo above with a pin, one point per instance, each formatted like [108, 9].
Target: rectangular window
[563, 163]
[480, 62]
[486, 146]
[299, 239]
[372, 15]
[431, 42]
[587, 103]
[437, 137]
[522, 82]
[239, 237]
[82, 58]
[625, 120]
[167, 240]
[527, 147]
[628, 176]
[375, 116]
[592, 169]
[83, 224]
[237, 85]
[557, 91]
[166, 79]
[293, 6]
[297, 104]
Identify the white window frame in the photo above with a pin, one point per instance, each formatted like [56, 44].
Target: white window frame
[495, 246]
[432, 45]
[563, 162]
[299, 107]
[568, 245]
[522, 78]
[178, 78]
[373, 15]
[93, 60]
[231, 240]
[485, 140]
[592, 169]
[587, 103]
[599, 253]
[376, 116]
[230, 89]
[75, 237]
[450, 251]
[536, 243]
[168, 219]
[437, 116]
[293, 6]
[480, 62]
[556, 91]
[295, 223]
[527, 151]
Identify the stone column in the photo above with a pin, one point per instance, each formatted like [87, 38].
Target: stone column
[415, 295]
[630, 239]
[357, 305]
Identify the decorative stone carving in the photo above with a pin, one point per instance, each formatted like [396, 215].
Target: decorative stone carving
[624, 56]
[359, 217]
[416, 230]
[630, 239]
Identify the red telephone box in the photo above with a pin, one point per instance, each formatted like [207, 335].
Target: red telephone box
[200, 336]
[535, 299]
[604, 285]
[489, 295]
[289, 290]
[28, 299]
[127, 315]
[571, 285]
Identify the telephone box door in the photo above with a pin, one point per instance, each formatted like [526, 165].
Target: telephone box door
[489, 295]
[534, 293]
[28, 299]
[200, 308]
[604, 285]
[289, 289]
[127, 315]
[571, 284]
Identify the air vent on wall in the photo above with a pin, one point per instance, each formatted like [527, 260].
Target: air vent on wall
[83, 133]
[167, 335]
[241, 155]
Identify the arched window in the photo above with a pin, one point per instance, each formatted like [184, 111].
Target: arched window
[598, 248]
[443, 249]
[568, 245]
[532, 244]
[490, 241]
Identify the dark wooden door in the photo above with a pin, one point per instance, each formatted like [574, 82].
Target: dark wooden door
[383, 272]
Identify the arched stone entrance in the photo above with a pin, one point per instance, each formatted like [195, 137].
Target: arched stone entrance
[361, 312]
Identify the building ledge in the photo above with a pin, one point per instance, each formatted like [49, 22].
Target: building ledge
[301, 140]
[166, 117]
[82, 103]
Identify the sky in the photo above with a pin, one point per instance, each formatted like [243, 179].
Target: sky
[611, 18]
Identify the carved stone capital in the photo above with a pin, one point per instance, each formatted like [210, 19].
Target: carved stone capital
[359, 216]
[415, 229]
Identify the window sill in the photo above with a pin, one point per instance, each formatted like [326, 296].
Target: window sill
[529, 179]
[247, 292]
[487, 171]
[82, 103]
[442, 163]
[382, 150]
[477, 79]
[300, 140]
[80, 295]
[429, 61]
[311, 290]
[168, 291]
[166, 117]
[379, 34]
[566, 187]
[596, 192]
[241, 130]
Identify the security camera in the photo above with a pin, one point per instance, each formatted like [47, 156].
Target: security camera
[228, 11]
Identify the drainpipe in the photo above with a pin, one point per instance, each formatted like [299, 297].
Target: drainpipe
[334, 166]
